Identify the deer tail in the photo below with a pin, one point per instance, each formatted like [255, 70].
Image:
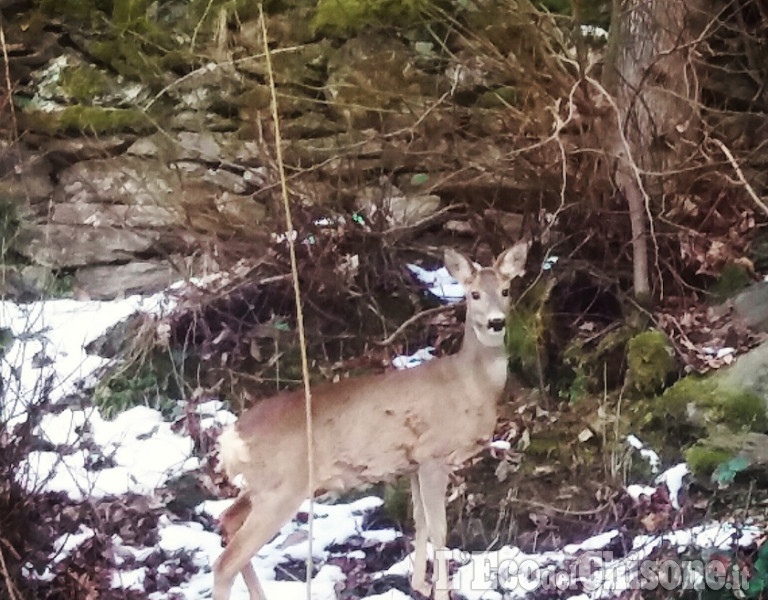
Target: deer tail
[233, 453]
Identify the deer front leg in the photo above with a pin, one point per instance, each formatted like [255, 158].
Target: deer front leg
[433, 483]
[419, 581]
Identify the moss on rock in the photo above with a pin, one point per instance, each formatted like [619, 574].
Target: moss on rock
[703, 460]
[696, 406]
[650, 360]
[87, 119]
[82, 83]
[595, 366]
[705, 402]
[733, 278]
[128, 58]
[344, 17]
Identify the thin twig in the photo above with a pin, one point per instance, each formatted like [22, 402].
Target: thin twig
[8, 581]
[750, 190]
[8, 83]
[562, 511]
[297, 294]
[410, 321]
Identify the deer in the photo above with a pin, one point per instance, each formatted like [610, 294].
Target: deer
[424, 422]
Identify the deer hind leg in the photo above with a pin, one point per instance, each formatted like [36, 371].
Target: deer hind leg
[433, 483]
[230, 523]
[257, 529]
[419, 576]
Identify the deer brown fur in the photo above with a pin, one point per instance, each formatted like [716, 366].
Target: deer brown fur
[424, 422]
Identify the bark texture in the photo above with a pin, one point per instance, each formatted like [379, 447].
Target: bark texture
[652, 78]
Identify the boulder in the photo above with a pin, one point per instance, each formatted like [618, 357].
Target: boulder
[64, 246]
[372, 73]
[752, 306]
[749, 372]
[99, 214]
[115, 281]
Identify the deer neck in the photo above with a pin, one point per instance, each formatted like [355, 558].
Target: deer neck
[484, 364]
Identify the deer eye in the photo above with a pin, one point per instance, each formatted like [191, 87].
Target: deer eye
[475, 295]
[505, 292]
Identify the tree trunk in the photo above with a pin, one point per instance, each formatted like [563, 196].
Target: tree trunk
[649, 73]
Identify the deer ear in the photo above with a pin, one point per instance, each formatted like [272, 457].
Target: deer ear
[511, 262]
[458, 265]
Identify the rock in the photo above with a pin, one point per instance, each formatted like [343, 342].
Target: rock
[212, 85]
[226, 180]
[28, 186]
[61, 246]
[710, 454]
[121, 180]
[68, 80]
[71, 150]
[137, 192]
[302, 65]
[25, 284]
[207, 147]
[99, 214]
[373, 71]
[729, 400]
[750, 372]
[313, 151]
[26, 176]
[309, 125]
[116, 281]
[511, 223]
[398, 208]
[459, 227]
[241, 212]
[201, 120]
[752, 306]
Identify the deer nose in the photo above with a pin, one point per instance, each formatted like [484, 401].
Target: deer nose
[496, 324]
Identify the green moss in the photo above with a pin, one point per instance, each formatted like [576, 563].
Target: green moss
[504, 96]
[592, 367]
[732, 280]
[83, 83]
[544, 446]
[60, 285]
[179, 60]
[153, 382]
[523, 333]
[704, 460]
[397, 499]
[129, 13]
[527, 324]
[344, 17]
[79, 10]
[87, 119]
[129, 59]
[705, 403]
[650, 360]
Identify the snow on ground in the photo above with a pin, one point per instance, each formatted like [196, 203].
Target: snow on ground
[48, 353]
[439, 282]
[142, 452]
